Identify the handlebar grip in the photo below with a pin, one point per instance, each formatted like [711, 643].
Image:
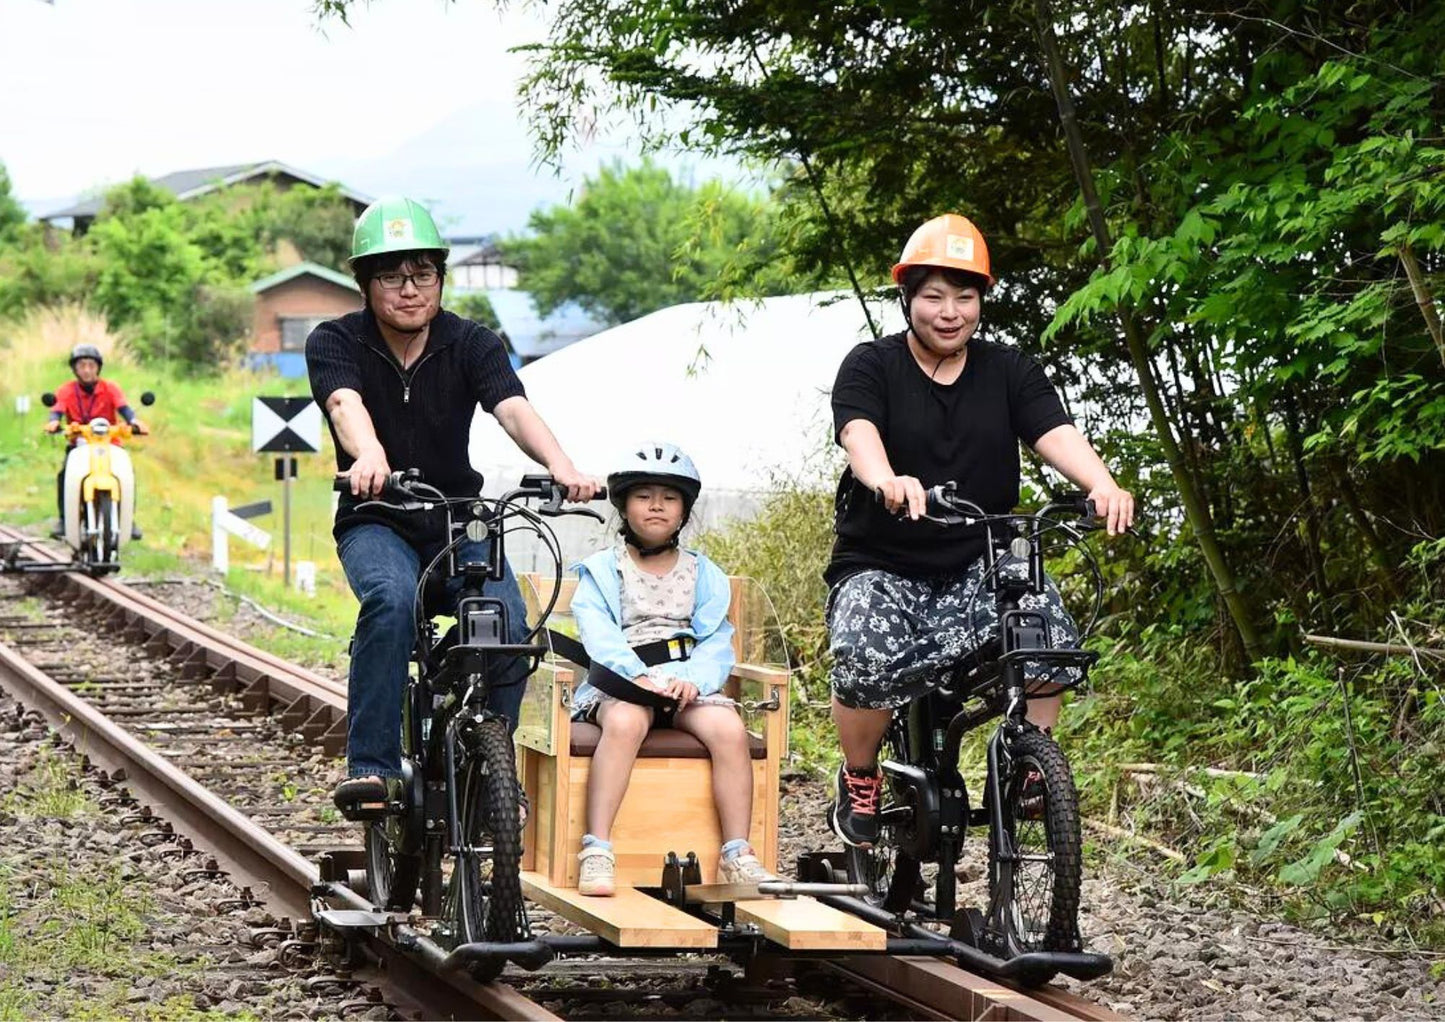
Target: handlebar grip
[395, 482]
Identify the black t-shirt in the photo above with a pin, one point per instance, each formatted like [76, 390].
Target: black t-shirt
[967, 432]
[422, 415]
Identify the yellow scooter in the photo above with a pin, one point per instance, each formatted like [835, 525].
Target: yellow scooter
[99, 490]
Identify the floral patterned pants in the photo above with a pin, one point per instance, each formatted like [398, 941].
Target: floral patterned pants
[894, 638]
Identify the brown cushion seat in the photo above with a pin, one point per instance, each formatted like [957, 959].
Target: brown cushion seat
[661, 743]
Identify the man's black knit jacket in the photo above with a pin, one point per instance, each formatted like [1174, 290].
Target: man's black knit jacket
[423, 415]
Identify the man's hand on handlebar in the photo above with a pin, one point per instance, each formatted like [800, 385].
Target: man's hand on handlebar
[1115, 506]
[580, 488]
[903, 494]
[53, 426]
[139, 428]
[369, 473]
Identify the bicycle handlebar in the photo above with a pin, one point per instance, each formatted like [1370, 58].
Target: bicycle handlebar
[945, 507]
[407, 492]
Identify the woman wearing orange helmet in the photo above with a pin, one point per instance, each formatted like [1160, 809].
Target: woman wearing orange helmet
[930, 405]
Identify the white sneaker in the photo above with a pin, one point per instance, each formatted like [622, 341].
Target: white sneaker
[599, 872]
[743, 869]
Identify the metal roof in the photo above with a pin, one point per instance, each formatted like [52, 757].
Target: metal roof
[188, 184]
[533, 336]
[301, 269]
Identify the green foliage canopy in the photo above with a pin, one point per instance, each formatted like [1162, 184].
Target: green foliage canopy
[637, 240]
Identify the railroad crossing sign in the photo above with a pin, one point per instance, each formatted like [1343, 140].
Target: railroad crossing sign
[285, 424]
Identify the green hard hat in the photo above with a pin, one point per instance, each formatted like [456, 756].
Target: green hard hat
[395, 225]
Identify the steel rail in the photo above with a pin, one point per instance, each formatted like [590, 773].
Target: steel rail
[253, 858]
[945, 990]
[307, 702]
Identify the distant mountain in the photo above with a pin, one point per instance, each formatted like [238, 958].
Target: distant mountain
[475, 168]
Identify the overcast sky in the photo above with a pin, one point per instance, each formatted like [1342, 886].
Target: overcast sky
[416, 96]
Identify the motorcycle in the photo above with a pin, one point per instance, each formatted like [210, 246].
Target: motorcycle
[99, 490]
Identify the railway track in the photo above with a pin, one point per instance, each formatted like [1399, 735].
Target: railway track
[277, 727]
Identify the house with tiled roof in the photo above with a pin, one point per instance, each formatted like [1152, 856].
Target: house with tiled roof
[290, 303]
[192, 184]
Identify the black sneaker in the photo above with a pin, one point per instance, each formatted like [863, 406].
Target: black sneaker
[854, 814]
[58, 532]
[362, 798]
[135, 532]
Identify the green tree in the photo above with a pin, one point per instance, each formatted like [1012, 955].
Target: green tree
[636, 240]
[12, 214]
[475, 306]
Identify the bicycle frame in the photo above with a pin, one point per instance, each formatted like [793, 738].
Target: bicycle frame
[448, 694]
[994, 685]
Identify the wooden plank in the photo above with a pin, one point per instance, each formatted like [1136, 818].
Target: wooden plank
[806, 924]
[628, 919]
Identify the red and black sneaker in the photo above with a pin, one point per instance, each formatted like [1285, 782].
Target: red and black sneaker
[854, 814]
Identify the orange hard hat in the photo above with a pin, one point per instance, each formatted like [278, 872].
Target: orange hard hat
[950, 241]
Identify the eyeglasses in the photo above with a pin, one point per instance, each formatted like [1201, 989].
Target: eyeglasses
[395, 281]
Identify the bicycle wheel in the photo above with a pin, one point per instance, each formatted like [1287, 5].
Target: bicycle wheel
[393, 865]
[1034, 885]
[484, 894]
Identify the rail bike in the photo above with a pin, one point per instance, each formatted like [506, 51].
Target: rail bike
[461, 827]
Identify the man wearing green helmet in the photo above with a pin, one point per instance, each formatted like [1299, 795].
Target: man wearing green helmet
[400, 382]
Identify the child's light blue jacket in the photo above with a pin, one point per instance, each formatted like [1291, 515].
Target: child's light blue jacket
[597, 609]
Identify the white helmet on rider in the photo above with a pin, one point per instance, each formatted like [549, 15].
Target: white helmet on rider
[656, 464]
[659, 463]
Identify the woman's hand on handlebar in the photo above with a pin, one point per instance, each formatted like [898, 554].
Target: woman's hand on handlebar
[903, 494]
[1115, 505]
[580, 488]
[369, 473]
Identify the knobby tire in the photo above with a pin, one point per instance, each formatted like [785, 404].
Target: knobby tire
[484, 897]
[1035, 904]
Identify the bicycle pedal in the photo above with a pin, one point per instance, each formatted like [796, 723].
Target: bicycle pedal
[362, 812]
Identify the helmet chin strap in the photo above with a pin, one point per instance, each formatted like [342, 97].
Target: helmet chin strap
[633, 540]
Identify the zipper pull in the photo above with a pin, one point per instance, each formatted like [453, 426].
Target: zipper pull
[406, 392]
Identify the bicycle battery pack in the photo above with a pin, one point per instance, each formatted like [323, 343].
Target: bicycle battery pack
[1025, 629]
[481, 621]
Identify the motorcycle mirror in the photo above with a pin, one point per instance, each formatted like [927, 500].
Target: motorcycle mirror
[147, 398]
[47, 399]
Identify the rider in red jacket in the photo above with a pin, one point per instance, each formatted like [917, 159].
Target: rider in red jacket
[84, 398]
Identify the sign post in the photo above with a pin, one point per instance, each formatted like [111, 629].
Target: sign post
[285, 425]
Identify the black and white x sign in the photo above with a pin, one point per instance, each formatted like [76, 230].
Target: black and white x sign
[285, 424]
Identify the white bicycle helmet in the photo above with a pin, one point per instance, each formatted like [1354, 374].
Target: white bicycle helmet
[656, 463]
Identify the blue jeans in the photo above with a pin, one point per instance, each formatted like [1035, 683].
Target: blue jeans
[382, 569]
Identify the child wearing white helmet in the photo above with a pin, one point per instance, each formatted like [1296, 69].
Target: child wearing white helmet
[653, 620]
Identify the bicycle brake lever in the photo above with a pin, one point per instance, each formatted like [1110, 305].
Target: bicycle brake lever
[405, 506]
[553, 505]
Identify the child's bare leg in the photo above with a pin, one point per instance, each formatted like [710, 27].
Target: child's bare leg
[624, 726]
[721, 729]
